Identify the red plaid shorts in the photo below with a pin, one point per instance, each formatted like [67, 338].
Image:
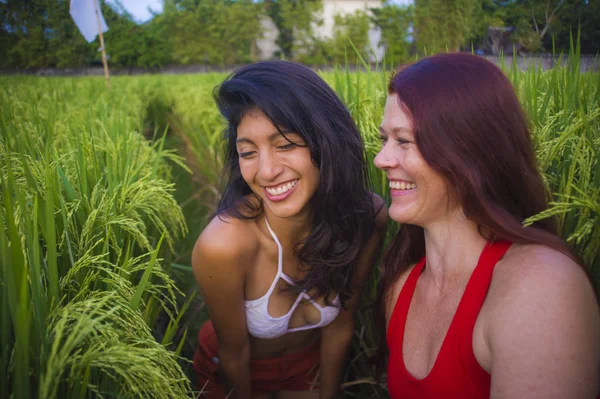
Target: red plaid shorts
[298, 371]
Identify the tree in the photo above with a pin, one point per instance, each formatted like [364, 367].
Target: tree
[395, 23]
[41, 33]
[156, 47]
[349, 27]
[543, 16]
[213, 31]
[295, 20]
[585, 17]
[441, 24]
[537, 21]
[564, 18]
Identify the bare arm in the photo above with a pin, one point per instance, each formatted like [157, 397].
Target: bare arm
[544, 333]
[219, 261]
[336, 337]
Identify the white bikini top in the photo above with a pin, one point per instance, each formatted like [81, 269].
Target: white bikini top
[262, 325]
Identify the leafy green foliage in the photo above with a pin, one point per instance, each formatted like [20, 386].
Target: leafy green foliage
[583, 16]
[444, 24]
[349, 29]
[394, 22]
[295, 20]
[213, 32]
[131, 45]
[40, 33]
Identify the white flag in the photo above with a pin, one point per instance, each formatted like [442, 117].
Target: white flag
[84, 15]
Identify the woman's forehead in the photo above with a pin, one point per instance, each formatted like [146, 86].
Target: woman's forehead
[257, 126]
[395, 118]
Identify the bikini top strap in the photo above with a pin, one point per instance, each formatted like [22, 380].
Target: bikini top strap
[280, 273]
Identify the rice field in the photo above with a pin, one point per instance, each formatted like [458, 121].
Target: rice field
[104, 191]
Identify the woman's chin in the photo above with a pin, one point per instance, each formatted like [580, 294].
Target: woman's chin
[402, 215]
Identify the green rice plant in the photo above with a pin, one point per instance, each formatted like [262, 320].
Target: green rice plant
[199, 127]
[86, 205]
[563, 106]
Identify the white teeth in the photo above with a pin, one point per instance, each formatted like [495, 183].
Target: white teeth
[396, 185]
[282, 189]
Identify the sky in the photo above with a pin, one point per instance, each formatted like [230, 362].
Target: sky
[139, 8]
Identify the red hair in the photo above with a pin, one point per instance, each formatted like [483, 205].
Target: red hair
[469, 127]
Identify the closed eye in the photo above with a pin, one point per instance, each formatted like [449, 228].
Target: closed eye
[291, 140]
[287, 146]
[402, 141]
[247, 154]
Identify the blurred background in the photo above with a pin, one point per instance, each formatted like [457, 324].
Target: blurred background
[155, 34]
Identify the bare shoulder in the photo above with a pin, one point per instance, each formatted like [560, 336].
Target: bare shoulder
[534, 270]
[224, 252]
[543, 326]
[226, 246]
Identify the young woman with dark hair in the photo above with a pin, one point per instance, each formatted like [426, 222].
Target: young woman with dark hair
[474, 304]
[297, 231]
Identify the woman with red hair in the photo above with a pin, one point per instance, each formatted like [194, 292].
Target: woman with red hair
[475, 304]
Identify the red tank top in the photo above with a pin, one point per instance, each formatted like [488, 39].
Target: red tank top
[455, 373]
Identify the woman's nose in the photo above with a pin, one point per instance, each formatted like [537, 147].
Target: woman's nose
[269, 167]
[384, 160]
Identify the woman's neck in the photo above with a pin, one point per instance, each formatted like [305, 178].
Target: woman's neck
[452, 249]
[289, 231]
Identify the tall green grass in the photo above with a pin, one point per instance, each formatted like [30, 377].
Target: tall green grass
[87, 213]
[563, 106]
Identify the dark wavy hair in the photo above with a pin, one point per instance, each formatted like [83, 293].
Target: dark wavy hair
[470, 128]
[296, 99]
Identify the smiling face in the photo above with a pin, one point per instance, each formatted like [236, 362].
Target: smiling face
[278, 169]
[419, 194]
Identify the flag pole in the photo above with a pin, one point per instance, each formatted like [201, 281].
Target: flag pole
[101, 43]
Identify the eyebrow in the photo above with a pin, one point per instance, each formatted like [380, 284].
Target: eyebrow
[271, 137]
[395, 130]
